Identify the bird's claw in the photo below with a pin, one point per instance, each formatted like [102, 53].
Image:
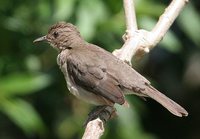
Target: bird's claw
[103, 112]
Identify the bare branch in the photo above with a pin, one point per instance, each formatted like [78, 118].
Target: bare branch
[139, 42]
[166, 20]
[94, 129]
[125, 53]
[130, 15]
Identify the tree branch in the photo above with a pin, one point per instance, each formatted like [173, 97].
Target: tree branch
[96, 119]
[166, 20]
[137, 43]
[94, 129]
[130, 15]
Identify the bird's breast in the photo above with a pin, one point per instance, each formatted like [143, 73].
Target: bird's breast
[61, 61]
[77, 90]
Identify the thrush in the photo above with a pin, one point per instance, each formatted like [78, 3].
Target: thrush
[97, 76]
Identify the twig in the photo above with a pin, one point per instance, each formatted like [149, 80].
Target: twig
[130, 15]
[94, 129]
[165, 21]
[137, 42]
[125, 53]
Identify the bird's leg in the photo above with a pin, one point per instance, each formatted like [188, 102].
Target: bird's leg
[103, 112]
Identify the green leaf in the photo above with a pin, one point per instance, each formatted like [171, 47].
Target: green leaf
[63, 9]
[128, 118]
[171, 42]
[148, 7]
[23, 115]
[21, 83]
[189, 21]
[44, 10]
[89, 14]
[67, 128]
[33, 63]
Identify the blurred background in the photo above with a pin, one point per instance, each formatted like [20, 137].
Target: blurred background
[34, 100]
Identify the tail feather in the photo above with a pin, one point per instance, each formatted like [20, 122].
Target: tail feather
[169, 104]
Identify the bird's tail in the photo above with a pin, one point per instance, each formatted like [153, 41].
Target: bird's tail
[169, 104]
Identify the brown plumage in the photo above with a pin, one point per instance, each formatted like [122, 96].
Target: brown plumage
[95, 75]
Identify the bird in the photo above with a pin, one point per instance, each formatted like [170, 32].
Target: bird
[95, 75]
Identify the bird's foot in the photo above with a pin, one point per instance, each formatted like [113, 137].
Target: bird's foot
[103, 112]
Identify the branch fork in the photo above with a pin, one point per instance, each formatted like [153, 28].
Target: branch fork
[139, 38]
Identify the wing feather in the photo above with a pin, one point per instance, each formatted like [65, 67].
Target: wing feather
[94, 78]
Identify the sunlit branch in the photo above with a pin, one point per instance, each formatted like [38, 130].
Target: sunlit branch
[94, 129]
[139, 42]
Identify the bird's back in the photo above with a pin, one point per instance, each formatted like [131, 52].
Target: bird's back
[121, 71]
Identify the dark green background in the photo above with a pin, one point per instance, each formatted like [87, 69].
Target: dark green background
[34, 100]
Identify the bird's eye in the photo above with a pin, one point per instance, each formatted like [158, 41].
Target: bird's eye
[55, 34]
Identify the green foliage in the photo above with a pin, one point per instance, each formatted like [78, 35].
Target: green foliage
[88, 20]
[63, 9]
[129, 118]
[190, 27]
[19, 111]
[23, 115]
[22, 84]
[150, 8]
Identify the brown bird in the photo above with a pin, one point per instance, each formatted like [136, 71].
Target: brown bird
[95, 75]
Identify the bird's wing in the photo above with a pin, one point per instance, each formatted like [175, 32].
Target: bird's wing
[133, 81]
[94, 78]
[121, 71]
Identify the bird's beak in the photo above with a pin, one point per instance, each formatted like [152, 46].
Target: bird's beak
[43, 38]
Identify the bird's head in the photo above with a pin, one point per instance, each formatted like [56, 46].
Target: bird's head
[61, 36]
